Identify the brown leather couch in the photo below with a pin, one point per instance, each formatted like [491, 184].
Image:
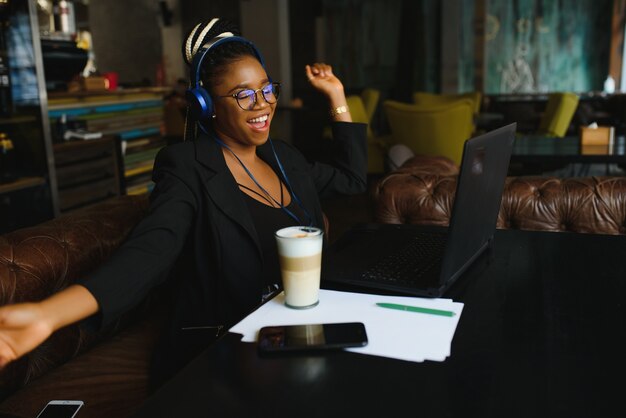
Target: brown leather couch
[108, 370]
[421, 192]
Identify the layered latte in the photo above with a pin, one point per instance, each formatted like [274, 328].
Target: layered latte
[300, 257]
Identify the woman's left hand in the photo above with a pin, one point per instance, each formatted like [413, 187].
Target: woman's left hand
[321, 77]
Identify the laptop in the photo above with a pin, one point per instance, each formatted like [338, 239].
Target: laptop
[409, 260]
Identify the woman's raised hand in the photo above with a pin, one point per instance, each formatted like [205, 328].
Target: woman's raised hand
[321, 77]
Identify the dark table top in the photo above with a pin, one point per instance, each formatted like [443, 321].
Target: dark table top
[541, 334]
[567, 150]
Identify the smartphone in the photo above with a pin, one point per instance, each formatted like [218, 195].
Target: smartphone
[60, 409]
[312, 337]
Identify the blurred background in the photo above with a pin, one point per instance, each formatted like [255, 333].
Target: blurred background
[82, 78]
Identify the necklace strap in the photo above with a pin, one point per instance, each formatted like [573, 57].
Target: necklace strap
[271, 202]
[280, 166]
[293, 194]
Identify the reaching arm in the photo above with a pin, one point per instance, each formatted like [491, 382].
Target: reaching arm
[26, 325]
[119, 284]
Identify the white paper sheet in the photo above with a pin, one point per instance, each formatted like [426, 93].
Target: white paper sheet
[391, 333]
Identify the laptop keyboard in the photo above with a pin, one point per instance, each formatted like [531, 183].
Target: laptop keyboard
[408, 264]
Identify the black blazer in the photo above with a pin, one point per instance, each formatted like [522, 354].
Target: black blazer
[199, 225]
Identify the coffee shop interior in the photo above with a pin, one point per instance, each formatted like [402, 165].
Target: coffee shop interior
[91, 90]
[67, 143]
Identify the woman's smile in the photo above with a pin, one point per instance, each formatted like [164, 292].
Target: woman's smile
[260, 123]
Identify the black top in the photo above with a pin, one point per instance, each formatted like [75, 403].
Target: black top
[201, 233]
[267, 220]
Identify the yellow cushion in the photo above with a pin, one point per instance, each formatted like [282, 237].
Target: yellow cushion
[423, 98]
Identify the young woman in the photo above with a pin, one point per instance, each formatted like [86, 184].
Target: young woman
[216, 204]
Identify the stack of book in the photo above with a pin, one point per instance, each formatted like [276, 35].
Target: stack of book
[139, 151]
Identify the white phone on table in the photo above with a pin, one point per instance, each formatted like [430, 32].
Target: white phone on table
[60, 409]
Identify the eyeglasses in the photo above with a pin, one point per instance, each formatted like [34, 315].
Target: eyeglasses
[246, 99]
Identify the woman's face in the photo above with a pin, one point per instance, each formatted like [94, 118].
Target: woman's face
[235, 126]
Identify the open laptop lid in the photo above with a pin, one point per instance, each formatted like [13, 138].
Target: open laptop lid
[484, 167]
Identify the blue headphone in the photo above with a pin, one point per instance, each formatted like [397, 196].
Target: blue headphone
[198, 98]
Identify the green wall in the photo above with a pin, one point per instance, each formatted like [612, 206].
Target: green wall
[547, 45]
[532, 45]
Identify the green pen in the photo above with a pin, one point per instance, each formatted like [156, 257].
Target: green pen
[415, 309]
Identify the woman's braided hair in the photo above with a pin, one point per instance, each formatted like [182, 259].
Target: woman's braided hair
[215, 62]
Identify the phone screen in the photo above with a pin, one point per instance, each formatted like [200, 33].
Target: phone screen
[312, 337]
[58, 410]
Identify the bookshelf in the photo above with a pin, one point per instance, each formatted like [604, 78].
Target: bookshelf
[133, 117]
[27, 177]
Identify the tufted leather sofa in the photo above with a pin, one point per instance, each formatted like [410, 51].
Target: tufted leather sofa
[108, 370]
[421, 192]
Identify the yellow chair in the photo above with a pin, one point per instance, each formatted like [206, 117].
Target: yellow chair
[431, 130]
[558, 115]
[431, 99]
[370, 99]
[376, 147]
